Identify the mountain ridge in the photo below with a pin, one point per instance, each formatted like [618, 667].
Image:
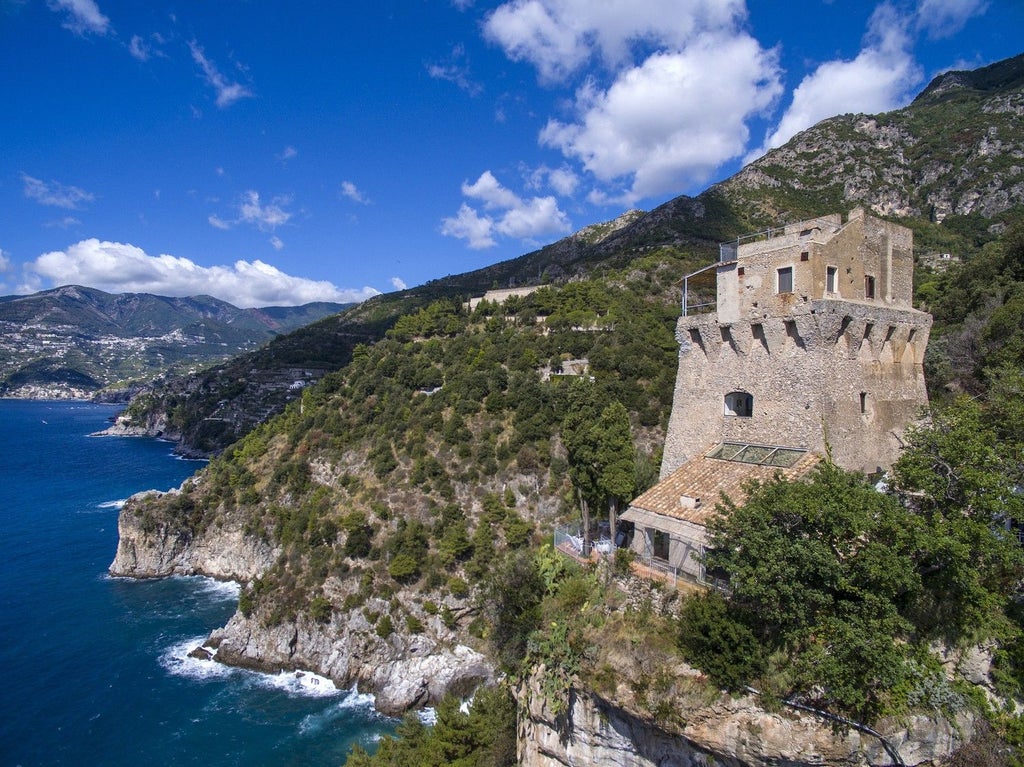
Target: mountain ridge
[74, 340]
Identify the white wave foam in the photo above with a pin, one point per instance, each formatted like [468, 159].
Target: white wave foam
[356, 699]
[177, 662]
[220, 589]
[112, 504]
[303, 683]
[428, 716]
[352, 702]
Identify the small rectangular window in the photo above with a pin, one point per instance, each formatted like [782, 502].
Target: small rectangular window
[741, 271]
[659, 543]
[830, 279]
[869, 286]
[786, 279]
[804, 256]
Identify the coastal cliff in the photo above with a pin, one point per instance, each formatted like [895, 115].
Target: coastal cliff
[727, 732]
[152, 545]
[403, 670]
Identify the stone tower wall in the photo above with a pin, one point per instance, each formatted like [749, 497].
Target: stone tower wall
[831, 372]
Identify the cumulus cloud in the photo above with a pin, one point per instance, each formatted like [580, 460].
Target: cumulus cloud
[563, 180]
[120, 267]
[669, 88]
[82, 16]
[559, 36]
[265, 217]
[398, 283]
[470, 226]
[55, 194]
[944, 18]
[277, 242]
[228, 92]
[880, 78]
[488, 190]
[506, 214]
[671, 120]
[352, 192]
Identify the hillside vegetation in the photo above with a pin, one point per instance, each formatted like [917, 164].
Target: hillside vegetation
[417, 484]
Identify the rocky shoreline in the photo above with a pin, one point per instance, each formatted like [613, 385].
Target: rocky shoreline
[403, 671]
[407, 671]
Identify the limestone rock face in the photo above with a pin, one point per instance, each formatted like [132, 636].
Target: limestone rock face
[731, 732]
[402, 672]
[152, 546]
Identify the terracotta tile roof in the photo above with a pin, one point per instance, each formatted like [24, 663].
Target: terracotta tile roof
[708, 479]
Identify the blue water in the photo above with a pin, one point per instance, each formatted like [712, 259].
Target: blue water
[95, 668]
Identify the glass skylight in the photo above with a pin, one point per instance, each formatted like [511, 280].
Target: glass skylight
[762, 455]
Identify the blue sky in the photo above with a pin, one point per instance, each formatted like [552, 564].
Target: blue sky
[279, 153]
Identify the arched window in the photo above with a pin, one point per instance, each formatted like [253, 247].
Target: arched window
[739, 403]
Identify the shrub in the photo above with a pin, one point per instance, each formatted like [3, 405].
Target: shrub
[385, 627]
[721, 646]
[320, 609]
[404, 568]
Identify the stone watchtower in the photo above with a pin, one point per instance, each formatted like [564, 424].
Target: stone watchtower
[811, 342]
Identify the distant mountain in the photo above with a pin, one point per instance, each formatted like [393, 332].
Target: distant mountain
[73, 341]
[956, 151]
[950, 165]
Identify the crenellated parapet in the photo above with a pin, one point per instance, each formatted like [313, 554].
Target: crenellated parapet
[813, 344]
[828, 327]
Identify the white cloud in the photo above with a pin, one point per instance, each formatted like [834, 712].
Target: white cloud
[277, 242]
[563, 180]
[55, 193]
[672, 120]
[350, 190]
[143, 49]
[82, 16]
[64, 223]
[456, 70]
[491, 192]
[507, 215]
[469, 225]
[288, 153]
[532, 218]
[944, 18]
[880, 78]
[252, 211]
[268, 216]
[398, 283]
[227, 92]
[559, 36]
[121, 267]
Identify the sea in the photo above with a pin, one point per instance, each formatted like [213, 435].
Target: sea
[96, 669]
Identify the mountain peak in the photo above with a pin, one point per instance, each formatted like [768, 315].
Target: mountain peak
[1008, 73]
